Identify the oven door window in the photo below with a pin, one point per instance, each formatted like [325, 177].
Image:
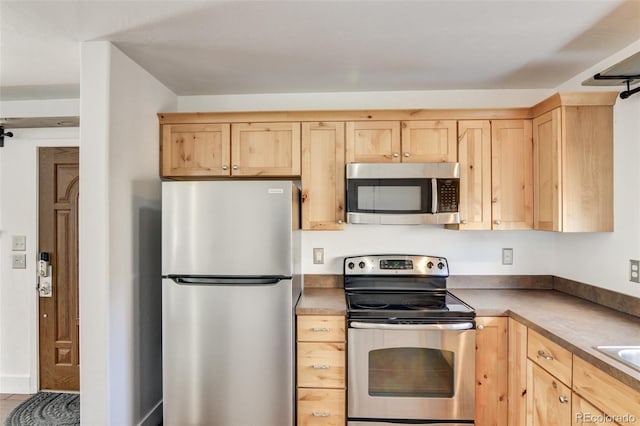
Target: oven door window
[389, 195]
[411, 372]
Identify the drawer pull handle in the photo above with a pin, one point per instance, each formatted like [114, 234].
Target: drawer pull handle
[324, 329]
[321, 366]
[563, 399]
[320, 414]
[545, 355]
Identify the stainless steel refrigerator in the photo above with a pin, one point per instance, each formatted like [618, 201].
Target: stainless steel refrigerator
[230, 266]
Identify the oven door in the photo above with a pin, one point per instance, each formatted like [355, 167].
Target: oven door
[411, 372]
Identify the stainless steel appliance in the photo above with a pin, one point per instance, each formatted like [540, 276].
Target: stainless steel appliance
[403, 193]
[411, 344]
[230, 282]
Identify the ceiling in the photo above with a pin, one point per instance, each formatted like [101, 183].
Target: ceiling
[239, 47]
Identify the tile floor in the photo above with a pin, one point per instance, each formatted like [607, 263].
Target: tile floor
[8, 401]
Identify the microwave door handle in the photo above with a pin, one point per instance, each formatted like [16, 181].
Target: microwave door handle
[434, 195]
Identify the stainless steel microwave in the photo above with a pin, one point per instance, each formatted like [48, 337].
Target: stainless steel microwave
[403, 193]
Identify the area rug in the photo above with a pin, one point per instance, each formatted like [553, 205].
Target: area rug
[46, 409]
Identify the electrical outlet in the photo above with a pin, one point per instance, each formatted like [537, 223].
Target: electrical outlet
[18, 243]
[634, 271]
[318, 256]
[507, 256]
[18, 261]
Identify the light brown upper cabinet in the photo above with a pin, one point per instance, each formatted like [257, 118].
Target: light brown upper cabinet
[512, 174]
[419, 141]
[265, 149]
[474, 156]
[373, 142]
[195, 150]
[238, 149]
[573, 169]
[323, 168]
[495, 174]
[429, 141]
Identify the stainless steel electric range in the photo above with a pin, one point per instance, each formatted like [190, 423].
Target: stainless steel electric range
[411, 344]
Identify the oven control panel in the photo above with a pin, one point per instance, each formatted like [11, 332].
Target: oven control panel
[396, 264]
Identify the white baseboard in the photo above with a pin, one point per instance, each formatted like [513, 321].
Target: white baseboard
[15, 384]
[153, 417]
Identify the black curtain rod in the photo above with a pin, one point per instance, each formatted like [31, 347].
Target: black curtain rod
[627, 79]
[3, 134]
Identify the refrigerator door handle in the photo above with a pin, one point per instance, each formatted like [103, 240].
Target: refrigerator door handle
[185, 280]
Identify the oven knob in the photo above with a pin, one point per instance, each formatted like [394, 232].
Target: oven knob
[430, 265]
[351, 265]
[361, 265]
[440, 265]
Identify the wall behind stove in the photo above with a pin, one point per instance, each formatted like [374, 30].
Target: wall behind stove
[468, 252]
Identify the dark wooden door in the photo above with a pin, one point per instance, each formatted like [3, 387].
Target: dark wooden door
[58, 236]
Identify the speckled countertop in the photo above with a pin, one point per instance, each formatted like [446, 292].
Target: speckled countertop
[322, 301]
[574, 323]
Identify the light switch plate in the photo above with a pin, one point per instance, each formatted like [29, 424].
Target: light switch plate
[507, 256]
[18, 243]
[18, 261]
[318, 256]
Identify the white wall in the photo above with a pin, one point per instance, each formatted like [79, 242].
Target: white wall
[18, 216]
[120, 286]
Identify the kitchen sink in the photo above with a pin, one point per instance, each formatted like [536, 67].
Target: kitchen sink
[629, 355]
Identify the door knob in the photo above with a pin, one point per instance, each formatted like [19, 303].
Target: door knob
[225, 167]
[235, 167]
[407, 154]
[396, 155]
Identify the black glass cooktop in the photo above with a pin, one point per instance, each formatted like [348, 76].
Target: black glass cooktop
[399, 305]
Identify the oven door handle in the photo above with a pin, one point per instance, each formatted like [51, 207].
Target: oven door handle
[388, 326]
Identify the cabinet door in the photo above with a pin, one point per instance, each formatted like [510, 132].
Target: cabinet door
[491, 371]
[265, 149]
[548, 401]
[429, 141]
[517, 373]
[585, 413]
[195, 150]
[323, 185]
[587, 170]
[373, 142]
[512, 174]
[546, 172]
[474, 156]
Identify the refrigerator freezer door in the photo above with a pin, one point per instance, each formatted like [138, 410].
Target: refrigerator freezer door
[227, 354]
[227, 228]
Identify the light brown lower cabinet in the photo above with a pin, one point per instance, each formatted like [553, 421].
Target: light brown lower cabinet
[549, 400]
[491, 371]
[321, 367]
[321, 407]
[550, 386]
[582, 412]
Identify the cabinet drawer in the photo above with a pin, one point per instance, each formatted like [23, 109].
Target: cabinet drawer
[314, 328]
[550, 356]
[320, 407]
[321, 365]
[606, 393]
